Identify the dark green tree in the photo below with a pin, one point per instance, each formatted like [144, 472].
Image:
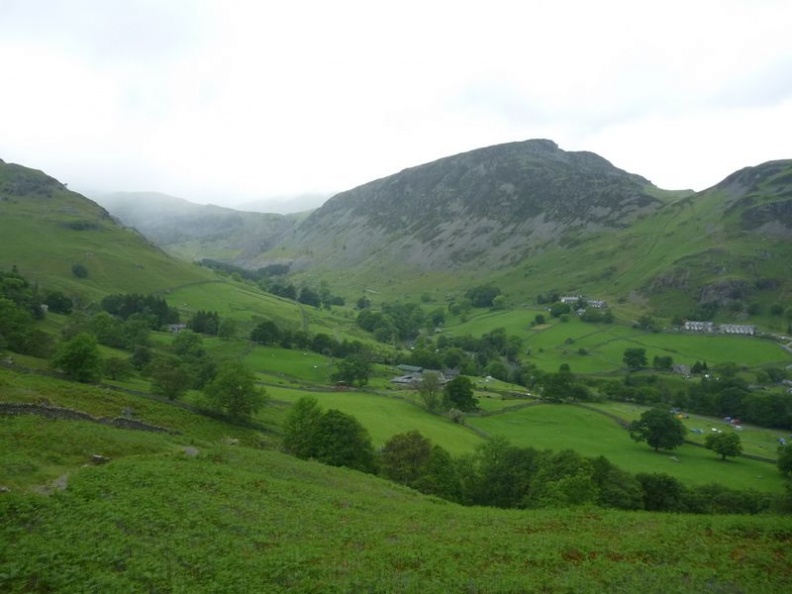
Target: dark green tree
[309, 297]
[58, 303]
[188, 344]
[646, 322]
[340, 440]
[141, 356]
[15, 323]
[107, 329]
[635, 358]
[79, 270]
[785, 460]
[117, 368]
[228, 329]
[79, 358]
[663, 363]
[617, 488]
[205, 322]
[354, 370]
[169, 377]
[459, 394]
[558, 386]
[440, 477]
[136, 331]
[300, 427]
[724, 444]
[499, 474]
[564, 479]
[233, 392]
[559, 309]
[658, 428]
[431, 390]
[661, 492]
[405, 457]
[482, 296]
[266, 332]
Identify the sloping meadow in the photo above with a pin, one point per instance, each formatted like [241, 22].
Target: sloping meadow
[240, 520]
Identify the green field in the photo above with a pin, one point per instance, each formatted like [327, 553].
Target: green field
[558, 427]
[196, 504]
[237, 301]
[239, 518]
[557, 342]
[385, 416]
[217, 507]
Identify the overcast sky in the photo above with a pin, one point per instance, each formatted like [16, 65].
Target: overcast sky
[229, 101]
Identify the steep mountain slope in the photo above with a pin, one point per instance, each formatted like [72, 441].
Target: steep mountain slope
[729, 246]
[483, 209]
[714, 253]
[194, 231]
[46, 230]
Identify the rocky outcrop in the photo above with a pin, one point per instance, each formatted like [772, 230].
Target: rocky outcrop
[483, 208]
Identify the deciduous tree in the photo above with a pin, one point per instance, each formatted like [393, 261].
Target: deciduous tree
[169, 377]
[785, 460]
[658, 428]
[300, 427]
[340, 440]
[431, 390]
[233, 391]
[459, 393]
[79, 358]
[724, 444]
[353, 370]
[405, 457]
[635, 358]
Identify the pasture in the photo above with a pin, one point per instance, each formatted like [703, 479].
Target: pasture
[558, 427]
[756, 441]
[235, 300]
[385, 416]
[558, 342]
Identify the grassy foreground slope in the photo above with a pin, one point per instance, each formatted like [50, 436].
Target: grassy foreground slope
[238, 520]
[190, 512]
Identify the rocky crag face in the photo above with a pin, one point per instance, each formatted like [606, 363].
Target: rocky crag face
[482, 209]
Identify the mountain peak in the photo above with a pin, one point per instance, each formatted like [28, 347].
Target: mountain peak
[483, 206]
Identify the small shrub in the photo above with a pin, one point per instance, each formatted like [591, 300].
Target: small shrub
[79, 270]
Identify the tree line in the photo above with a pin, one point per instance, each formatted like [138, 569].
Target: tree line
[500, 474]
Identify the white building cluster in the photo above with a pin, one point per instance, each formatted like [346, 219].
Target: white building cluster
[712, 328]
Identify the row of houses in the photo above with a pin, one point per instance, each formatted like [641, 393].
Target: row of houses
[575, 299]
[712, 328]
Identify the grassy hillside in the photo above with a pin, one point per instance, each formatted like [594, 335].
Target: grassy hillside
[194, 513]
[559, 427]
[193, 232]
[47, 229]
[729, 246]
[557, 342]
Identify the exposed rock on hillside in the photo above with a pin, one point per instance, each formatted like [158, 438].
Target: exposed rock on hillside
[488, 207]
[763, 197]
